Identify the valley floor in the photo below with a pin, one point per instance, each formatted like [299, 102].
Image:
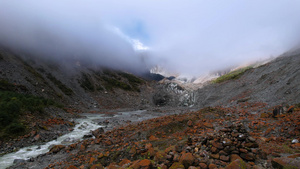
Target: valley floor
[243, 136]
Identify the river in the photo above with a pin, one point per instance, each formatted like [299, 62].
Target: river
[84, 125]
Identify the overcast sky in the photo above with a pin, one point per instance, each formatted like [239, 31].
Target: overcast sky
[190, 37]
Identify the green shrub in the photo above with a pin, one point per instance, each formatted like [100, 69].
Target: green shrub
[111, 83]
[13, 105]
[232, 75]
[15, 128]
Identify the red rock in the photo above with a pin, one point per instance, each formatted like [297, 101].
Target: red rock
[212, 166]
[247, 156]
[203, 165]
[192, 167]
[72, 167]
[234, 157]
[37, 137]
[135, 165]
[294, 156]
[190, 123]
[56, 148]
[237, 164]
[92, 160]
[214, 150]
[215, 156]
[162, 166]
[217, 145]
[296, 145]
[177, 165]
[160, 157]
[209, 125]
[97, 166]
[285, 163]
[112, 166]
[145, 164]
[187, 159]
[243, 150]
[147, 146]
[82, 147]
[224, 158]
[152, 138]
[124, 161]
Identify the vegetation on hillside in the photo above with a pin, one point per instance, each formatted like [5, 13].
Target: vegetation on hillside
[232, 75]
[13, 105]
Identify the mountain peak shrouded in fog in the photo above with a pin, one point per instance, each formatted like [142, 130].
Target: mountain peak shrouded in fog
[191, 38]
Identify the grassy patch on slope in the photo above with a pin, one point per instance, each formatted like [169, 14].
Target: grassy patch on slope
[13, 105]
[232, 75]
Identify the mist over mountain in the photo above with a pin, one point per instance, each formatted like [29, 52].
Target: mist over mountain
[190, 38]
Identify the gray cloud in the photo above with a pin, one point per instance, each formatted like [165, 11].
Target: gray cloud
[191, 37]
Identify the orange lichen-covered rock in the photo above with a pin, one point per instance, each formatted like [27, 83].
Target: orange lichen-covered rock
[124, 161]
[177, 165]
[187, 159]
[237, 164]
[97, 166]
[145, 164]
[72, 167]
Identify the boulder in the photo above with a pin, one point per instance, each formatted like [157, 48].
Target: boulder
[98, 132]
[56, 148]
[237, 164]
[187, 159]
[177, 165]
[285, 162]
[97, 166]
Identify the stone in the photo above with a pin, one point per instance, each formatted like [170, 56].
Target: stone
[82, 147]
[212, 166]
[72, 167]
[223, 153]
[224, 158]
[285, 162]
[296, 145]
[247, 156]
[234, 157]
[243, 150]
[98, 132]
[214, 150]
[97, 166]
[218, 145]
[37, 137]
[209, 125]
[237, 164]
[251, 145]
[215, 156]
[203, 165]
[56, 148]
[145, 164]
[177, 165]
[187, 159]
[124, 161]
[190, 123]
[112, 166]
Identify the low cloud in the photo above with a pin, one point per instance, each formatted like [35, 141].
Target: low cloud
[191, 37]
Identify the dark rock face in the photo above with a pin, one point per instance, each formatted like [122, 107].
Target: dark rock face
[161, 98]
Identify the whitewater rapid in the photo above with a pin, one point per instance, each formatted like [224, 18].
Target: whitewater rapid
[84, 126]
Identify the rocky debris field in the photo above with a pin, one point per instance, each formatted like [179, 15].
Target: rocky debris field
[249, 135]
[42, 129]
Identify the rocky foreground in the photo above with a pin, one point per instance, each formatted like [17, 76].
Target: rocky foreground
[245, 136]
